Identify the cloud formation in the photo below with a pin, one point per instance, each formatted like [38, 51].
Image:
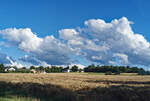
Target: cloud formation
[4, 58]
[30, 59]
[48, 49]
[98, 41]
[120, 38]
[8, 61]
[108, 43]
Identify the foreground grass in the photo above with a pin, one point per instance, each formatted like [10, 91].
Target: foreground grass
[73, 87]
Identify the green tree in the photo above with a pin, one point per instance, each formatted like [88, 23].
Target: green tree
[32, 67]
[40, 68]
[74, 68]
[2, 68]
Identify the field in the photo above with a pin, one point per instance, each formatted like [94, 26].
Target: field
[74, 87]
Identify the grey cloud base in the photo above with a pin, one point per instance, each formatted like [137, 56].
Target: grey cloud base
[105, 43]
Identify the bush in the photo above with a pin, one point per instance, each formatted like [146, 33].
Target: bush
[108, 73]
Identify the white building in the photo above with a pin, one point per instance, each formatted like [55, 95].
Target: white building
[66, 70]
[10, 69]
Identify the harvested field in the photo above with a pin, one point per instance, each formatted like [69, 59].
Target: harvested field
[76, 87]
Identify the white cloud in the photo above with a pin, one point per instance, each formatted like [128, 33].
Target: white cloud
[106, 42]
[68, 34]
[122, 57]
[98, 41]
[120, 38]
[48, 49]
[24, 38]
[13, 63]
[53, 51]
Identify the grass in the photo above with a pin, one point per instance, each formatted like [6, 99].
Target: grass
[74, 87]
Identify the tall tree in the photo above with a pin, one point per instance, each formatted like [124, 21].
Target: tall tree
[32, 67]
[74, 68]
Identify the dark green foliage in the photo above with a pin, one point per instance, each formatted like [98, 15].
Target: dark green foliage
[113, 69]
[80, 70]
[91, 68]
[21, 70]
[32, 67]
[2, 68]
[40, 68]
[53, 69]
[74, 68]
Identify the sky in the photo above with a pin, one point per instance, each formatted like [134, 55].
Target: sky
[62, 32]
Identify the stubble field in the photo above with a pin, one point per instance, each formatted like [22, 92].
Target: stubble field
[74, 87]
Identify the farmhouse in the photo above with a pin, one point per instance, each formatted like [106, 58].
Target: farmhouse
[9, 69]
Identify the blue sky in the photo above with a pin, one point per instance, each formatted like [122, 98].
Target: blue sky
[48, 17]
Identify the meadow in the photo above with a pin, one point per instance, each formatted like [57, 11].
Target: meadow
[74, 87]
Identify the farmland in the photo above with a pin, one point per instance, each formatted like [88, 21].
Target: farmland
[74, 87]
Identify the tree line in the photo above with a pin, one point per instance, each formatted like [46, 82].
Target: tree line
[55, 69]
[113, 69]
[75, 68]
[52, 69]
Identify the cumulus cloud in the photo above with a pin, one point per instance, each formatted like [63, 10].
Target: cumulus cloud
[98, 41]
[120, 38]
[48, 49]
[108, 42]
[24, 38]
[68, 34]
[54, 52]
